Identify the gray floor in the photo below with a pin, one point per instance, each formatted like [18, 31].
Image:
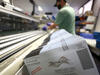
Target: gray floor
[97, 61]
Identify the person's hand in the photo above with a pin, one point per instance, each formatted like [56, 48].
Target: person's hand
[47, 26]
[44, 28]
[52, 26]
[49, 23]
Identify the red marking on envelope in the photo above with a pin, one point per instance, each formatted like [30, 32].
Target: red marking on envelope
[36, 70]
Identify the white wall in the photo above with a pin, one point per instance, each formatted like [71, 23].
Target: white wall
[24, 4]
[86, 7]
[47, 5]
[96, 7]
[97, 29]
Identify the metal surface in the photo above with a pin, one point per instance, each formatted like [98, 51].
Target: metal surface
[9, 48]
[12, 64]
[2, 9]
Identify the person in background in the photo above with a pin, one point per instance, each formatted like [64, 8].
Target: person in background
[65, 18]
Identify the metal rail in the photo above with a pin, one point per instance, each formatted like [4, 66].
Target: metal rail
[17, 50]
[10, 48]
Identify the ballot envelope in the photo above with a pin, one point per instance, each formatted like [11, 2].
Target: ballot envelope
[65, 56]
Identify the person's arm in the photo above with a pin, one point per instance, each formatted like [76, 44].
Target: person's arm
[52, 26]
[58, 21]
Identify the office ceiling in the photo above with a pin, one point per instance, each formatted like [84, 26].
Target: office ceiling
[47, 5]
